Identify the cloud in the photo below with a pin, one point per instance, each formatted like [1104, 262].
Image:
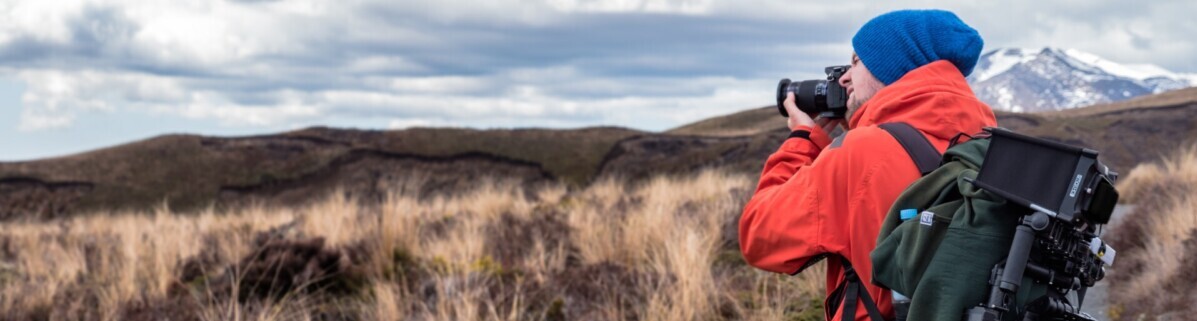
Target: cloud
[269, 63]
[33, 119]
[1157, 32]
[648, 64]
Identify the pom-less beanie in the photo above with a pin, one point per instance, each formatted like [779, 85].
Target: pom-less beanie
[897, 42]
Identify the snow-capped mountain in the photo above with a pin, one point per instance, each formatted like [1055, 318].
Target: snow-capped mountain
[1029, 80]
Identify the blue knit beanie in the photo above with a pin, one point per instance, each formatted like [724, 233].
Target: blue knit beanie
[895, 43]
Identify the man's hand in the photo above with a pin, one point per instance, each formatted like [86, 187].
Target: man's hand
[799, 118]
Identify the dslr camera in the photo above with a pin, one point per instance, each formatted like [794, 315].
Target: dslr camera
[817, 97]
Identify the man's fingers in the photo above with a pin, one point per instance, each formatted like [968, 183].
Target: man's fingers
[789, 104]
[797, 117]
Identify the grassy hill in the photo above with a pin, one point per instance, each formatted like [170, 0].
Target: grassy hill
[1163, 100]
[192, 172]
[1126, 133]
[748, 122]
[1157, 241]
[610, 251]
[189, 171]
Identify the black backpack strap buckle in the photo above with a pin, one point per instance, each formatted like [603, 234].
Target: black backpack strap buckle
[847, 293]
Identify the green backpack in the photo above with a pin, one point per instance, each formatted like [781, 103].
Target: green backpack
[1007, 241]
[942, 258]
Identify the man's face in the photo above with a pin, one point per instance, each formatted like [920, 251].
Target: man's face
[860, 83]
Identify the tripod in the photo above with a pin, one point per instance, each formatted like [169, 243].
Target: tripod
[1007, 275]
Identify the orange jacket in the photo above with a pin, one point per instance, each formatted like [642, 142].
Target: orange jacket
[813, 199]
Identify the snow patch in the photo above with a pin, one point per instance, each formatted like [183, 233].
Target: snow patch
[1002, 60]
[1137, 72]
[1005, 99]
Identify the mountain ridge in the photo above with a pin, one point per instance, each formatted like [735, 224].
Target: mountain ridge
[1048, 79]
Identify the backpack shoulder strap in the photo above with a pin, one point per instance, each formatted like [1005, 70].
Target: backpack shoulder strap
[843, 299]
[925, 156]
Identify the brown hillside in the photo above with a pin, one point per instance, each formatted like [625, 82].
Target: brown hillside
[748, 122]
[1165, 99]
[187, 171]
[1124, 136]
[1125, 133]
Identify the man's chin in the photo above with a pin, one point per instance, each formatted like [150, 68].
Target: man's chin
[853, 107]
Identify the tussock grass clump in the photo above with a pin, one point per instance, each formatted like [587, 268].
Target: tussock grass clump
[657, 249]
[1157, 242]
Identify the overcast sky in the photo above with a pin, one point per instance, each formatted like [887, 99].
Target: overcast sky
[79, 75]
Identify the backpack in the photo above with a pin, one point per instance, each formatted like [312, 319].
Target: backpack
[999, 241]
[942, 259]
[908, 249]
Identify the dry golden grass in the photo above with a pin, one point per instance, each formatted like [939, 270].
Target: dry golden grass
[1180, 170]
[1157, 243]
[104, 263]
[656, 250]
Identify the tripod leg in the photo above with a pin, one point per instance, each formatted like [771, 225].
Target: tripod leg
[1005, 286]
[1016, 262]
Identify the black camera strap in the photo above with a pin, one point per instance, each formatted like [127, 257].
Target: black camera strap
[925, 156]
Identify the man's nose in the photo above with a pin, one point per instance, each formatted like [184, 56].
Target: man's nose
[845, 79]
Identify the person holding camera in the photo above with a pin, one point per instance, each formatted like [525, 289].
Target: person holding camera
[818, 198]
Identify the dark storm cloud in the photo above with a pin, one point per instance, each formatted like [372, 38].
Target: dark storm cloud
[652, 48]
[606, 45]
[95, 34]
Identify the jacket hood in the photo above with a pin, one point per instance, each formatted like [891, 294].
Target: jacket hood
[934, 98]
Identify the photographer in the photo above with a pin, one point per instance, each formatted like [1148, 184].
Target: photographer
[818, 198]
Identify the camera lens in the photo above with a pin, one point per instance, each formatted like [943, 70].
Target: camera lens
[822, 97]
[809, 95]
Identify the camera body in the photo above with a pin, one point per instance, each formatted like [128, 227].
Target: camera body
[817, 97]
